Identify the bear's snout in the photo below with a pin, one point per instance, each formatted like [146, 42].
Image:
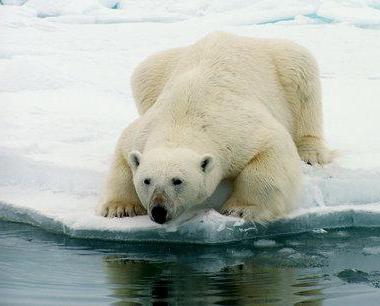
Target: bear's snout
[159, 214]
[158, 199]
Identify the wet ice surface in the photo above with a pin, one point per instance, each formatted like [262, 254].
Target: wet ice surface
[330, 269]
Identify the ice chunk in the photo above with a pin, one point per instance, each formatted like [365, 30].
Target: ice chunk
[319, 231]
[371, 251]
[264, 243]
[287, 251]
[357, 276]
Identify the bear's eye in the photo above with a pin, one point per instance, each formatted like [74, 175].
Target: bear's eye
[147, 181]
[176, 181]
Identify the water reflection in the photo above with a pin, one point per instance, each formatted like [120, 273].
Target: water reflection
[311, 269]
[208, 278]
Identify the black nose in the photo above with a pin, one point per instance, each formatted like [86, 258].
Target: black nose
[159, 214]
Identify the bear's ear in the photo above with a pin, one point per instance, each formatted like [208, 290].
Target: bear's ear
[134, 158]
[207, 163]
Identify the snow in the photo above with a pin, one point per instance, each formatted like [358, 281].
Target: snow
[362, 13]
[65, 98]
[46, 8]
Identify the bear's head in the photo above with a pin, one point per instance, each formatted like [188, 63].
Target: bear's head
[170, 180]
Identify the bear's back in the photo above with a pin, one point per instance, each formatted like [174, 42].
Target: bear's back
[237, 75]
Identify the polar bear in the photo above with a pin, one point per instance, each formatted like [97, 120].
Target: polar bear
[225, 108]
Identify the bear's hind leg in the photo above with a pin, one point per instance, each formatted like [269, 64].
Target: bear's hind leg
[312, 151]
[309, 131]
[299, 76]
[303, 89]
[267, 187]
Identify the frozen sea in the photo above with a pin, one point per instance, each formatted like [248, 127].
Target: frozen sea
[65, 98]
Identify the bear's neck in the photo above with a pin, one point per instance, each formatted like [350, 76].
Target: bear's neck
[180, 118]
[179, 137]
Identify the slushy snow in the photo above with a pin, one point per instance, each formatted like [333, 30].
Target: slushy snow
[65, 98]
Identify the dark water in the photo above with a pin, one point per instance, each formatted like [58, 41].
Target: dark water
[341, 267]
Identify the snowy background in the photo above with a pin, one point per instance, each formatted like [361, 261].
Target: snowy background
[65, 97]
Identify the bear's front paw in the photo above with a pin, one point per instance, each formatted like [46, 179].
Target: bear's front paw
[248, 212]
[233, 208]
[313, 152]
[121, 209]
[234, 212]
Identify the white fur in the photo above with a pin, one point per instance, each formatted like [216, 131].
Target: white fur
[247, 104]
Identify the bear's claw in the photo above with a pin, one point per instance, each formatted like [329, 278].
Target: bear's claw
[315, 157]
[234, 212]
[119, 209]
[249, 213]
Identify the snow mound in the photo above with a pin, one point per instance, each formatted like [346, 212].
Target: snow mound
[242, 12]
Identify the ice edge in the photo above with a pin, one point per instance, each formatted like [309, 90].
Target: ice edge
[345, 218]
